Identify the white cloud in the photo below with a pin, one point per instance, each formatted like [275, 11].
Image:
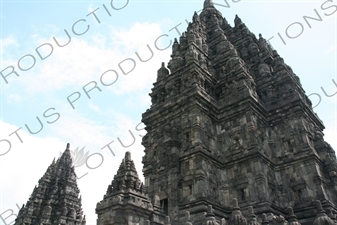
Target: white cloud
[91, 7]
[146, 48]
[34, 36]
[330, 132]
[74, 65]
[93, 107]
[5, 45]
[331, 49]
[99, 40]
[330, 136]
[85, 60]
[145, 33]
[8, 41]
[14, 99]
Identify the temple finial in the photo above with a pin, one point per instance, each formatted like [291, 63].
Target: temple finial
[188, 220]
[292, 218]
[127, 156]
[162, 72]
[187, 216]
[167, 220]
[237, 20]
[208, 3]
[223, 221]
[196, 17]
[321, 217]
[84, 221]
[210, 211]
[291, 211]
[319, 206]
[264, 219]
[68, 146]
[235, 204]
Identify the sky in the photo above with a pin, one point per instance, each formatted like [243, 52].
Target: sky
[91, 89]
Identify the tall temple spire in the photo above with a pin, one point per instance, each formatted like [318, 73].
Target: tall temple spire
[230, 119]
[55, 201]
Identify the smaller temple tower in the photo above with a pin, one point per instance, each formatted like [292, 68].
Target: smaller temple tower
[56, 200]
[126, 201]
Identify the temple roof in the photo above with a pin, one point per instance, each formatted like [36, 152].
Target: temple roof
[55, 200]
[126, 178]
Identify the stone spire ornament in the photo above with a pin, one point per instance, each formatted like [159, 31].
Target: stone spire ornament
[162, 72]
[84, 221]
[223, 221]
[331, 214]
[264, 219]
[321, 217]
[210, 218]
[167, 220]
[292, 218]
[252, 217]
[188, 220]
[236, 217]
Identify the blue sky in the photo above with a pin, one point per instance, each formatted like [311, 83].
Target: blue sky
[116, 110]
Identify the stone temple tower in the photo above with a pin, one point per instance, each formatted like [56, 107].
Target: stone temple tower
[229, 120]
[55, 201]
[126, 201]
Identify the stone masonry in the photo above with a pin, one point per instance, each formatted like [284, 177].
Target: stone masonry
[229, 120]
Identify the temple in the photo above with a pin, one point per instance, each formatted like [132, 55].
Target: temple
[231, 138]
[56, 200]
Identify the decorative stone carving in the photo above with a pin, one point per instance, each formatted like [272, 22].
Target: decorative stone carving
[264, 70]
[253, 49]
[236, 217]
[321, 217]
[210, 219]
[264, 219]
[188, 220]
[292, 219]
[252, 217]
[237, 20]
[223, 221]
[167, 220]
[263, 45]
[162, 72]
